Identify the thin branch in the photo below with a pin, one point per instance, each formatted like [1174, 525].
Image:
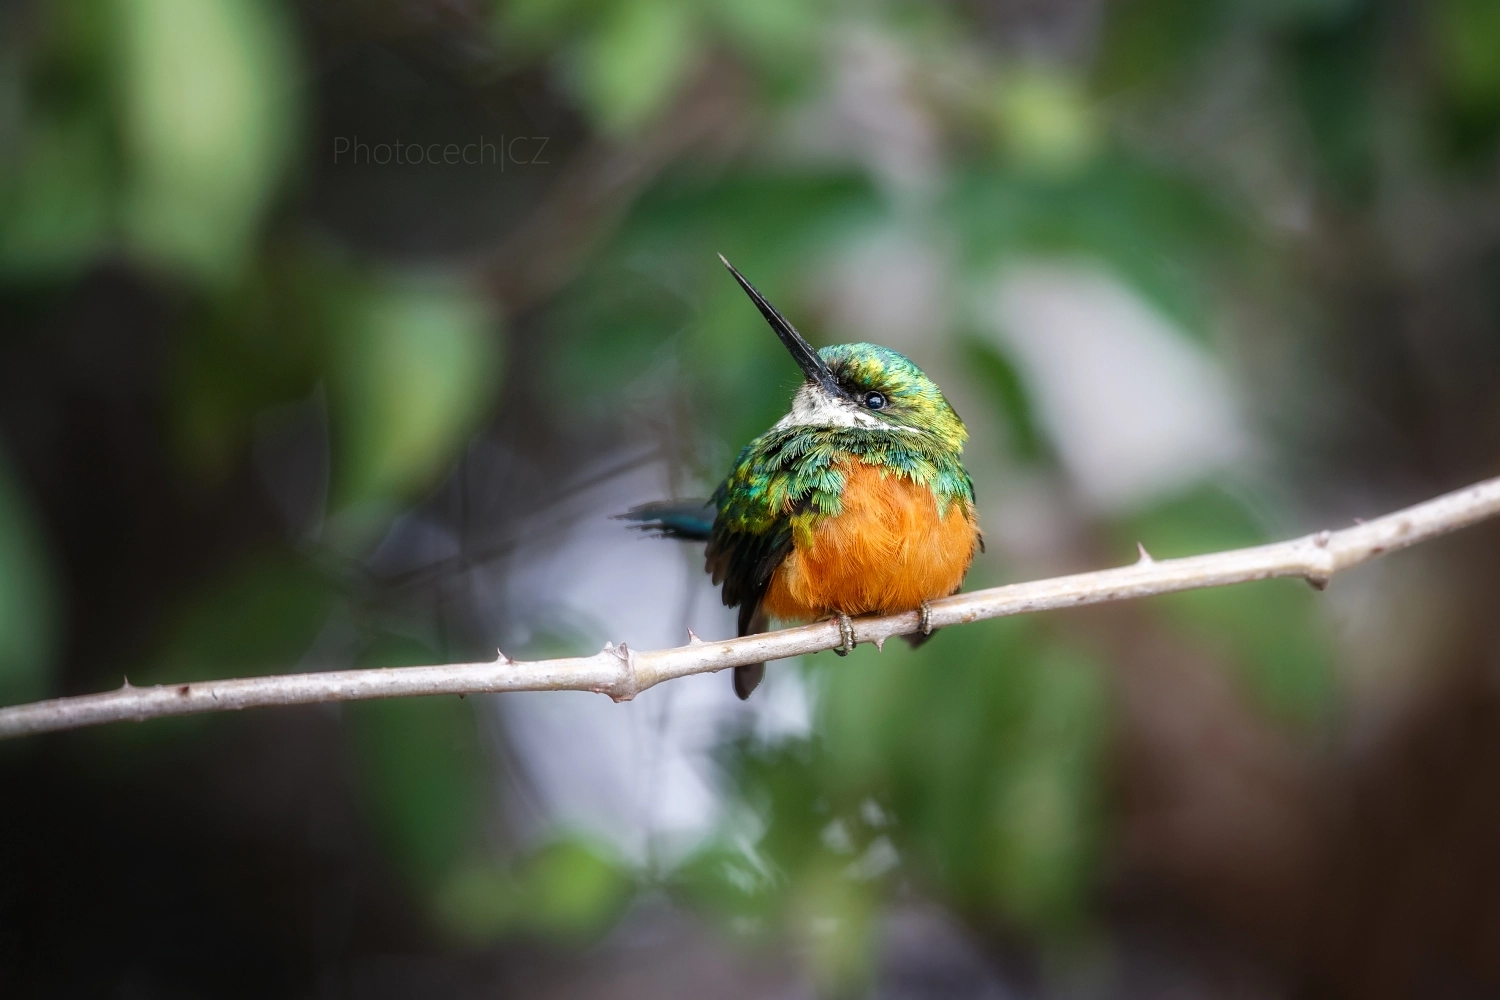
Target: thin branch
[623, 673]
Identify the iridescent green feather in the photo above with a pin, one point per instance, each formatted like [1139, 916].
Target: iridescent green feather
[796, 474]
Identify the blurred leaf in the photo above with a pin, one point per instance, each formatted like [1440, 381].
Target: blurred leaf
[973, 727]
[782, 38]
[260, 619]
[572, 890]
[1284, 14]
[568, 892]
[992, 369]
[834, 917]
[1045, 119]
[723, 880]
[1167, 237]
[1465, 35]
[412, 363]
[422, 766]
[1150, 42]
[206, 89]
[1468, 37]
[58, 177]
[1044, 805]
[415, 366]
[56, 211]
[632, 63]
[423, 762]
[1334, 76]
[535, 25]
[260, 342]
[618, 323]
[1271, 630]
[976, 761]
[627, 57]
[27, 603]
[757, 216]
[478, 902]
[611, 322]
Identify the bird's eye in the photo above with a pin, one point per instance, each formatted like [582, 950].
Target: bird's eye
[875, 401]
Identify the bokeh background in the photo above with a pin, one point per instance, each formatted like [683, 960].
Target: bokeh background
[1197, 273]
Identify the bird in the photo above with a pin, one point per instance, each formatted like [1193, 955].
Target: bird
[855, 502]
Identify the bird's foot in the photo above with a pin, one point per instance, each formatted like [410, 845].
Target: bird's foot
[846, 632]
[925, 621]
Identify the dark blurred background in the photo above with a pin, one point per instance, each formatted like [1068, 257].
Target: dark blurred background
[331, 332]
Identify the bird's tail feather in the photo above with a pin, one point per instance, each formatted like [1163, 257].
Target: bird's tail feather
[690, 520]
[748, 677]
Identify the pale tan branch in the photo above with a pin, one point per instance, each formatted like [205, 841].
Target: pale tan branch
[623, 673]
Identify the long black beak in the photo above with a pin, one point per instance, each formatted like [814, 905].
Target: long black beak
[802, 352]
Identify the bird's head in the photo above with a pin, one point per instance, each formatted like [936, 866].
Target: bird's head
[860, 385]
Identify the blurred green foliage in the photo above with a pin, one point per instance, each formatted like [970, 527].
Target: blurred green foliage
[999, 802]
[567, 892]
[168, 135]
[260, 617]
[1463, 38]
[625, 60]
[423, 772]
[1020, 430]
[206, 117]
[616, 319]
[416, 367]
[1165, 235]
[972, 766]
[409, 363]
[1272, 632]
[28, 626]
[422, 763]
[158, 129]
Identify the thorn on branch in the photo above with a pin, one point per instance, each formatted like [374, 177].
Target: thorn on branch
[1145, 557]
[693, 639]
[501, 658]
[1317, 581]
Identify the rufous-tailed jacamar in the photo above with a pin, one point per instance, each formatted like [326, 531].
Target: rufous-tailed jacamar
[856, 501]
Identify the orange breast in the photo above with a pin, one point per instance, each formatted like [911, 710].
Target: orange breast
[886, 551]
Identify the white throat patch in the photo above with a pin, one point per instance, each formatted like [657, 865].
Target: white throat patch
[812, 407]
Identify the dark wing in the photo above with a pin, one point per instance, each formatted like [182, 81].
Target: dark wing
[744, 562]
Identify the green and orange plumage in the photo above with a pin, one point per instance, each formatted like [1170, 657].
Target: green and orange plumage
[855, 502]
